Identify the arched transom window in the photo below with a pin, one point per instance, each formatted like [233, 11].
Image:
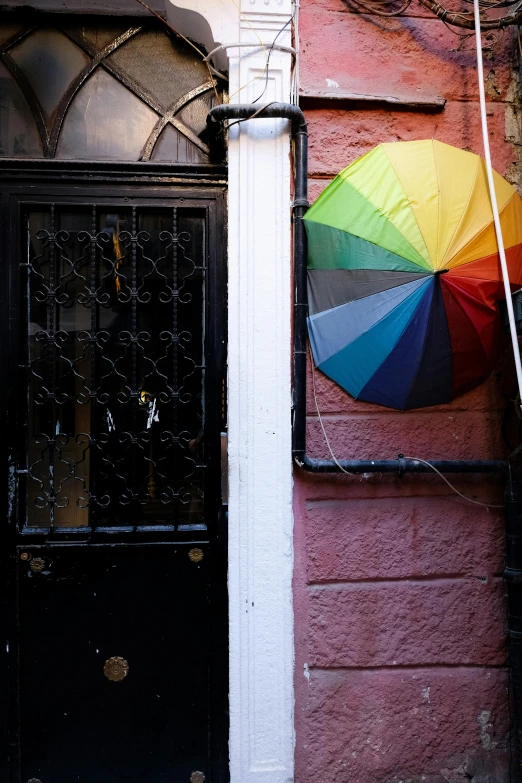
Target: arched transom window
[94, 88]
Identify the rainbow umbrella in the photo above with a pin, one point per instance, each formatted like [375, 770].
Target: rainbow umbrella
[404, 274]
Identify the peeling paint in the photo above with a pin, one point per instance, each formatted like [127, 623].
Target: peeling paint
[483, 720]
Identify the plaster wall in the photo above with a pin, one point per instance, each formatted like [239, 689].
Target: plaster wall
[398, 598]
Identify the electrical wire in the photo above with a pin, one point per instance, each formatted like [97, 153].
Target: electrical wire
[255, 114]
[450, 485]
[187, 40]
[212, 71]
[493, 197]
[264, 72]
[269, 56]
[417, 459]
[241, 14]
[452, 18]
[245, 119]
[347, 472]
[294, 94]
[376, 7]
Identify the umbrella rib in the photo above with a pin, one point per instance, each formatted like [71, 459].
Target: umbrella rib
[375, 324]
[479, 233]
[478, 277]
[459, 224]
[351, 232]
[406, 325]
[385, 216]
[438, 202]
[424, 346]
[468, 319]
[409, 206]
[316, 285]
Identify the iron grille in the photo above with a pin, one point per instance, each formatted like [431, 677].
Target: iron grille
[113, 304]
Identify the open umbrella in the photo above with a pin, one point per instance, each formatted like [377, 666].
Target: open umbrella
[404, 274]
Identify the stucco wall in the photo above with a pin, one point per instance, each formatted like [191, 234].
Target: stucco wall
[400, 615]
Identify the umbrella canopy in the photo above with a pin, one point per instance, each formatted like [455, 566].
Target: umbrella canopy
[404, 274]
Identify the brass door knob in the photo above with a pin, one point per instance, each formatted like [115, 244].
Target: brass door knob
[197, 777]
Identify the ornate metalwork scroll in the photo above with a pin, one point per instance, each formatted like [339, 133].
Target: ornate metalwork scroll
[114, 301]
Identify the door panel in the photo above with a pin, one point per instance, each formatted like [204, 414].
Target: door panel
[147, 605]
[114, 550]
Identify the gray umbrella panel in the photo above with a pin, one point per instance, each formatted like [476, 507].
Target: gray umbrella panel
[328, 288]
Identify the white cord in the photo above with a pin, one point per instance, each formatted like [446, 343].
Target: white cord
[493, 197]
[417, 459]
[295, 77]
[320, 419]
[243, 44]
[465, 497]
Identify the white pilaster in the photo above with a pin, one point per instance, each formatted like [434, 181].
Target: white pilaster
[260, 470]
[259, 317]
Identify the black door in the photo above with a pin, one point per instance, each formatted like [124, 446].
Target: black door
[114, 547]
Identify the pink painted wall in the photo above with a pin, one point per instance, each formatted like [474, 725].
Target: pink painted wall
[400, 615]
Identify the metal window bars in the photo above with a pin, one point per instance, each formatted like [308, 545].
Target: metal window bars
[113, 302]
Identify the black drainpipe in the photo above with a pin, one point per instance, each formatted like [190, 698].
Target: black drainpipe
[288, 111]
[513, 494]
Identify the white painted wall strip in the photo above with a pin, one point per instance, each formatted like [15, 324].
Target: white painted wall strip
[260, 468]
[259, 390]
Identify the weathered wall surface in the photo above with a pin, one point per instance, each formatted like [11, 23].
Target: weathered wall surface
[400, 615]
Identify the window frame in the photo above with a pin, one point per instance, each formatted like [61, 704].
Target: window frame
[50, 129]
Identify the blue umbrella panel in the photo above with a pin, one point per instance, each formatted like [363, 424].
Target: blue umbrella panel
[383, 336]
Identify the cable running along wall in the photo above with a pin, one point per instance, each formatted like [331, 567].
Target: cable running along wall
[460, 17]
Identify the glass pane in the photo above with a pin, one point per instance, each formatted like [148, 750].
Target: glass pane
[174, 148]
[58, 461]
[8, 30]
[19, 135]
[164, 69]
[115, 302]
[50, 61]
[105, 121]
[96, 36]
[194, 114]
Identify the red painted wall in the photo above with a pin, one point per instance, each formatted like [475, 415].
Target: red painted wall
[400, 614]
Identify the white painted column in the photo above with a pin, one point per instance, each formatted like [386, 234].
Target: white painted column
[260, 469]
[259, 394]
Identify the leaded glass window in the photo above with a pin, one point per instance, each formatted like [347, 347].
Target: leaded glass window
[93, 88]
